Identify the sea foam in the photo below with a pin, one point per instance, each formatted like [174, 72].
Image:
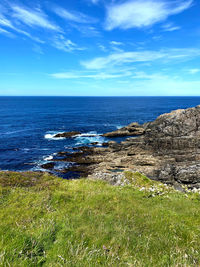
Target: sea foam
[51, 136]
[88, 138]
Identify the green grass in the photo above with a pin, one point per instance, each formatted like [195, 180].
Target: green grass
[47, 221]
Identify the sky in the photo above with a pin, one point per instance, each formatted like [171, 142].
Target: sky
[100, 48]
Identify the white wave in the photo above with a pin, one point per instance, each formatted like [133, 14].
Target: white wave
[26, 149]
[48, 158]
[89, 134]
[51, 136]
[88, 138]
[119, 126]
[38, 168]
[62, 165]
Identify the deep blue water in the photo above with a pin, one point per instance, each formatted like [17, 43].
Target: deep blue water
[27, 124]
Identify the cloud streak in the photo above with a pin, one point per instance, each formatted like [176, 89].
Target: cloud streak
[194, 71]
[117, 59]
[66, 45]
[4, 22]
[140, 13]
[73, 16]
[99, 76]
[33, 18]
[169, 27]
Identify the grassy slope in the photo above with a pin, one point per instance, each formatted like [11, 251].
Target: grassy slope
[53, 222]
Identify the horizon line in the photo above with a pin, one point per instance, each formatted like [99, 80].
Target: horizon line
[100, 96]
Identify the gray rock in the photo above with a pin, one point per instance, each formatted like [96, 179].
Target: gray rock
[133, 129]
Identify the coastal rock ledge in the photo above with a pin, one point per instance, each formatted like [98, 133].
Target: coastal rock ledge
[167, 149]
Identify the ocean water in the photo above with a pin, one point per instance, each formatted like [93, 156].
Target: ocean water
[28, 124]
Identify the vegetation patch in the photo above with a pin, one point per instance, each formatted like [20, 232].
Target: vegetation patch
[48, 221]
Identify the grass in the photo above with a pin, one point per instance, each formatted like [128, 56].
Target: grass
[47, 221]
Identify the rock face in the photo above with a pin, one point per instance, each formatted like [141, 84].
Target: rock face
[66, 134]
[167, 149]
[133, 129]
[178, 123]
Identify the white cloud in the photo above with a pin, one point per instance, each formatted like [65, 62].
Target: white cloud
[193, 71]
[8, 24]
[79, 75]
[86, 30]
[140, 13]
[116, 43]
[5, 22]
[73, 16]
[169, 27]
[33, 18]
[5, 32]
[117, 59]
[61, 43]
[102, 47]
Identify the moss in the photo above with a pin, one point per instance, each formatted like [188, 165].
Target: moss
[138, 179]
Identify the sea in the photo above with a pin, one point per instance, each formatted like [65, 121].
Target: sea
[28, 124]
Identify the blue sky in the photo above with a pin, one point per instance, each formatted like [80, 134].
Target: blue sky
[100, 47]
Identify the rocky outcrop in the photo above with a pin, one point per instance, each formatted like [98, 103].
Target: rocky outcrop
[133, 129]
[167, 149]
[66, 134]
[178, 123]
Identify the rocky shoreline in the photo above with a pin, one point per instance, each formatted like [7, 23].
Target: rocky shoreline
[167, 150]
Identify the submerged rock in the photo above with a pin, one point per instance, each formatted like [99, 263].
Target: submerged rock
[66, 134]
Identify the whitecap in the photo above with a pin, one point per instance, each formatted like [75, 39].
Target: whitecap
[119, 126]
[47, 158]
[88, 138]
[62, 165]
[89, 134]
[51, 136]
[26, 149]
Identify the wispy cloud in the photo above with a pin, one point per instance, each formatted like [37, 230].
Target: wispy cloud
[4, 22]
[85, 30]
[116, 43]
[169, 27]
[73, 16]
[7, 33]
[61, 43]
[33, 18]
[139, 57]
[99, 76]
[102, 47]
[140, 13]
[194, 71]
